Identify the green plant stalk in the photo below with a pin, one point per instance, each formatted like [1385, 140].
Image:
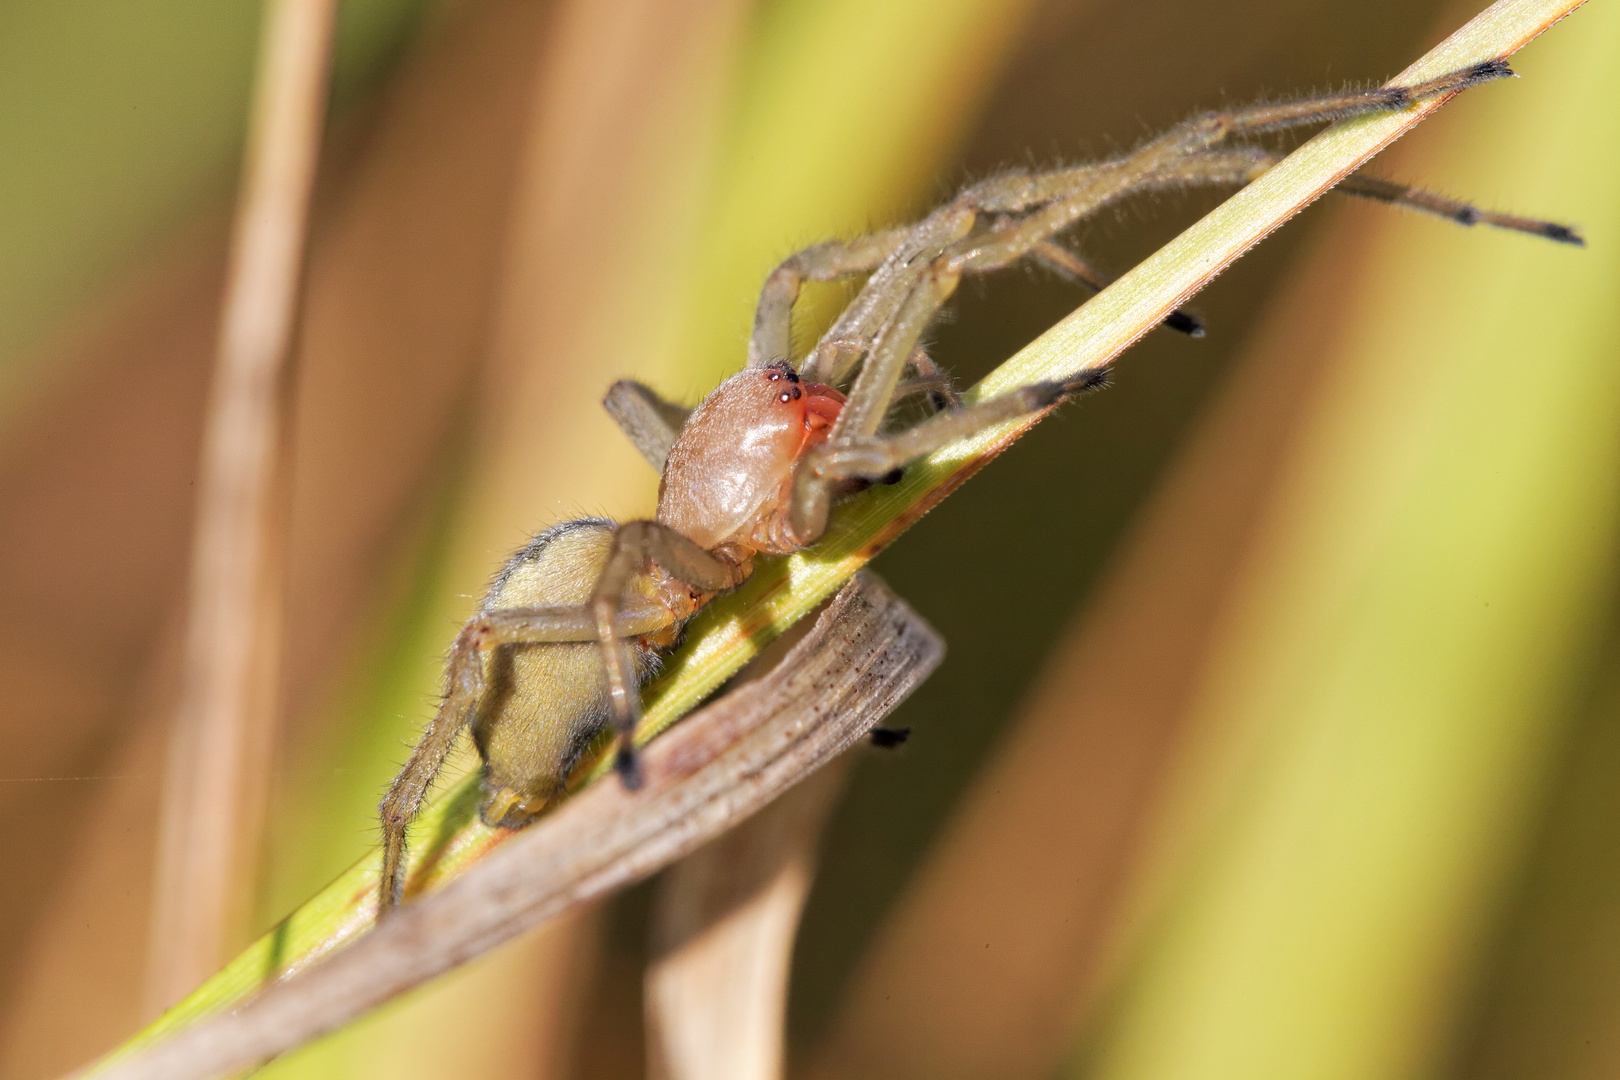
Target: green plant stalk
[732, 630]
[1368, 754]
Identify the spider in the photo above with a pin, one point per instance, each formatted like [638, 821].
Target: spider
[575, 621]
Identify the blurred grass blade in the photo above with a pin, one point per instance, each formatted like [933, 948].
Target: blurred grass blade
[723, 924]
[226, 717]
[1402, 654]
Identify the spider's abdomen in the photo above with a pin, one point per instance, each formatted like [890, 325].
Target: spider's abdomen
[730, 472]
[543, 704]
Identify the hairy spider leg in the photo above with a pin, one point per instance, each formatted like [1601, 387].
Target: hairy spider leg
[1050, 203]
[906, 294]
[831, 260]
[464, 686]
[650, 422]
[1017, 192]
[927, 378]
[853, 334]
[877, 455]
[638, 546]
[1463, 213]
[900, 258]
[1236, 166]
[1067, 264]
[868, 402]
[1038, 207]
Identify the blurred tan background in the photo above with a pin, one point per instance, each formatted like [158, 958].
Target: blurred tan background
[1278, 733]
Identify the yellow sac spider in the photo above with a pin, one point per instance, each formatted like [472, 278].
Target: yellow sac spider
[574, 622]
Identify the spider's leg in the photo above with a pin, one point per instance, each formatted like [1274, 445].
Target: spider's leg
[1206, 131]
[1018, 193]
[635, 545]
[829, 261]
[464, 685]
[1056, 257]
[928, 378]
[869, 317]
[464, 678]
[856, 332]
[870, 397]
[1428, 202]
[873, 392]
[1236, 166]
[1046, 204]
[650, 422]
[873, 457]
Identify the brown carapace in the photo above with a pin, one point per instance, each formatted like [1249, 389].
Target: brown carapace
[575, 621]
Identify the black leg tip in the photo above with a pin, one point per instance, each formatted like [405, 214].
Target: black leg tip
[1563, 234]
[1087, 381]
[893, 476]
[1489, 70]
[627, 763]
[1043, 395]
[1184, 323]
[888, 738]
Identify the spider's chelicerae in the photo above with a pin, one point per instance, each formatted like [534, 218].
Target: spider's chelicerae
[573, 622]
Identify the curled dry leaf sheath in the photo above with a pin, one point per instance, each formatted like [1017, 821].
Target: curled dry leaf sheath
[866, 653]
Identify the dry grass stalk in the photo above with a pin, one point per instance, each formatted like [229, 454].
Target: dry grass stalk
[723, 929]
[213, 798]
[864, 656]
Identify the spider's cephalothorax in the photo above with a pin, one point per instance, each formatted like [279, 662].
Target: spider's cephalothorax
[574, 622]
[728, 480]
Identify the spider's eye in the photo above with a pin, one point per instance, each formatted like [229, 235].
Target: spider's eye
[784, 397]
